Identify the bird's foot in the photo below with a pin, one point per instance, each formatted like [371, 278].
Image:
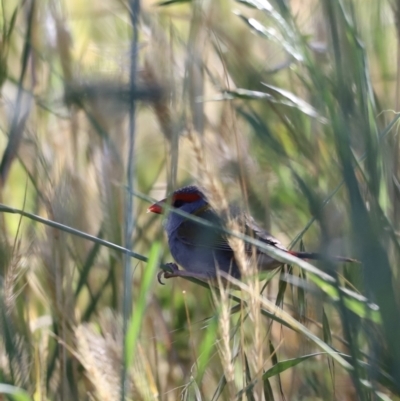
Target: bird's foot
[165, 274]
[175, 272]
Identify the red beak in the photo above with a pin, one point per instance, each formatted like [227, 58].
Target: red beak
[156, 207]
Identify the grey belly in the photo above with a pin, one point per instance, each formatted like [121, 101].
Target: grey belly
[200, 259]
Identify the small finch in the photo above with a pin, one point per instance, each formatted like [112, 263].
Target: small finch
[202, 250]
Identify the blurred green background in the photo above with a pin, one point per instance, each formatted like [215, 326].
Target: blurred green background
[290, 107]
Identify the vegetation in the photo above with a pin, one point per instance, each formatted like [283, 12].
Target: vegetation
[290, 107]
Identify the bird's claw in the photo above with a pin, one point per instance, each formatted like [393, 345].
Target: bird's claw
[166, 274]
[159, 277]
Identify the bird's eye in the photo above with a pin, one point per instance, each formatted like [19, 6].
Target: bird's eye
[178, 203]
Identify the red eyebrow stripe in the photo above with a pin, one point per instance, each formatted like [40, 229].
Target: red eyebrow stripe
[186, 197]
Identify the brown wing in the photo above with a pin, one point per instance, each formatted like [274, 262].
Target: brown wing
[192, 233]
[255, 231]
[264, 261]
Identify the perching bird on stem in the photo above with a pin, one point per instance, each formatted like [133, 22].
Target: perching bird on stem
[203, 249]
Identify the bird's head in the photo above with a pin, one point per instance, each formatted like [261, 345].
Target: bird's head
[188, 199]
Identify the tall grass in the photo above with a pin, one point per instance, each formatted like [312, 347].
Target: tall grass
[287, 107]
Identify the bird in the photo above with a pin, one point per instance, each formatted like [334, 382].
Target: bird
[203, 249]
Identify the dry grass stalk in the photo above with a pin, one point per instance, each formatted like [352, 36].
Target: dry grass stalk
[164, 111]
[58, 273]
[223, 305]
[16, 365]
[161, 105]
[248, 268]
[14, 270]
[208, 180]
[142, 376]
[101, 356]
[102, 365]
[40, 357]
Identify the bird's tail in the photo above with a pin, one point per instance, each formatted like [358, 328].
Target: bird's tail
[319, 256]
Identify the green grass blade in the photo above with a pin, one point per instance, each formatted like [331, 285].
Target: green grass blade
[281, 366]
[220, 388]
[16, 393]
[206, 347]
[171, 2]
[135, 322]
[293, 323]
[88, 265]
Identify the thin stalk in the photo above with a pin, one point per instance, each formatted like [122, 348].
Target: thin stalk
[129, 218]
